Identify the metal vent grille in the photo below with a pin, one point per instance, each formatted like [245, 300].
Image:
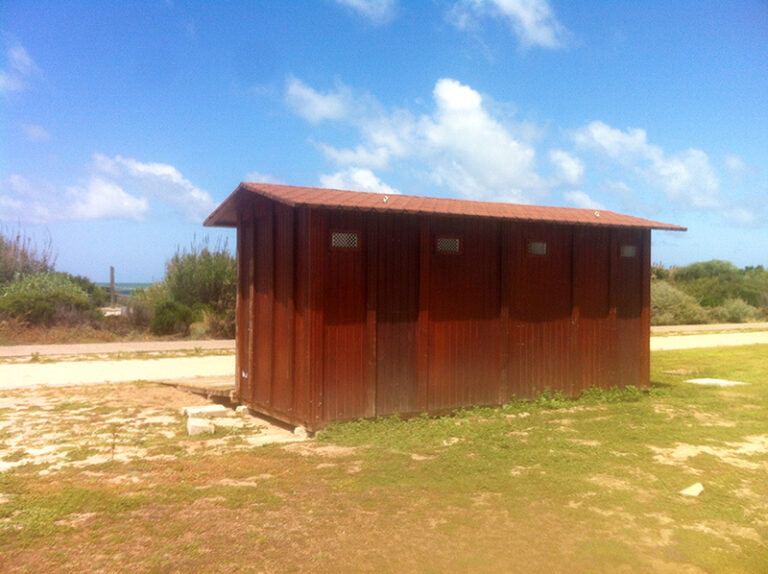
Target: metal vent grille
[344, 240]
[629, 251]
[537, 247]
[448, 244]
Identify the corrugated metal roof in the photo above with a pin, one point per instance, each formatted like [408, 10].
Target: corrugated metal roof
[226, 214]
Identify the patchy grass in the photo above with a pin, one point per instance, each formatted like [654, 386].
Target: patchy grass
[546, 486]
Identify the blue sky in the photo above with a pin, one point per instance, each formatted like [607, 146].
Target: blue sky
[123, 124]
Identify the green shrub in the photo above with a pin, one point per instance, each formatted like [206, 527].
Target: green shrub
[205, 279]
[670, 306]
[172, 318]
[737, 311]
[42, 297]
[203, 276]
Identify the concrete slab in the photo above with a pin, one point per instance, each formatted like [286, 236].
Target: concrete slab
[717, 382]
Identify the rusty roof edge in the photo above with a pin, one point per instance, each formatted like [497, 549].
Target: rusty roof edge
[264, 190]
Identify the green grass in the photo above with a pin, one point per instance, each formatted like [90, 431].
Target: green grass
[551, 485]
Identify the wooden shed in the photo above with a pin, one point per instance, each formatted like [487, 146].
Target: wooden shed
[358, 304]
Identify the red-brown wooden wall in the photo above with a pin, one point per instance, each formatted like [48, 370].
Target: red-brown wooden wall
[396, 326]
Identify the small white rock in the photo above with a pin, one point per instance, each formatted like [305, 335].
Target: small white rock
[199, 426]
[205, 411]
[242, 411]
[693, 490]
[300, 432]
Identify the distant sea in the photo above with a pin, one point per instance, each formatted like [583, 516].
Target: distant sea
[125, 288]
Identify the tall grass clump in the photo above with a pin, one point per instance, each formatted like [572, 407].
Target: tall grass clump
[203, 279]
[20, 255]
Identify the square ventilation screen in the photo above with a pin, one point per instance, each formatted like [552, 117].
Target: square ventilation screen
[344, 240]
[448, 244]
[537, 247]
[629, 251]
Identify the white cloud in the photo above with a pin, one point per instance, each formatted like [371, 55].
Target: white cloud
[115, 188]
[460, 146]
[373, 158]
[158, 180]
[23, 200]
[616, 144]
[688, 177]
[316, 106]
[102, 199]
[570, 169]
[581, 199]
[533, 21]
[735, 164]
[356, 179]
[740, 216]
[259, 177]
[471, 152]
[35, 133]
[375, 11]
[19, 67]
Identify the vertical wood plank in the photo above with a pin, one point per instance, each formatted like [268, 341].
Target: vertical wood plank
[372, 262]
[301, 398]
[422, 401]
[281, 392]
[265, 294]
[505, 267]
[645, 313]
[316, 302]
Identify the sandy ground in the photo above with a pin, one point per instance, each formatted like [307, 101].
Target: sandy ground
[65, 373]
[659, 329]
[708, 340]
[120, 347]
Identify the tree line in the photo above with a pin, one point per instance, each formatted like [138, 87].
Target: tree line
[708, 292]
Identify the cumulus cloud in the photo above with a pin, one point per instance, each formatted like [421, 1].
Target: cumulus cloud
[115, 188]
[102, 199]
[581, 199]
[688, 177]
[616, 144]
[375, 11]
[316, 106]
[570, 169]
[533, 21]
[460, 146]
[356, 179]
[18, 69]
[471, 152]
[159, 181]
[376, 157]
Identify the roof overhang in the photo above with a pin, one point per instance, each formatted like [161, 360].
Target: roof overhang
[226, 214]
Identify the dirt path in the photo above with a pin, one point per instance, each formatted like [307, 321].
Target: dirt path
[66, 373]
[708, 340]
[659, 329]
[20, 375]
[120, 347]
